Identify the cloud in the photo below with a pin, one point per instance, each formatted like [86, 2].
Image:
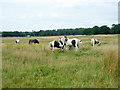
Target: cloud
[48, 14]
[59, 1]
[23, 17]
[72, 3]
[40, 15]
[55, 15]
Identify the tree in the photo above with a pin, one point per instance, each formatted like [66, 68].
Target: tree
[95, 30]
[104, 29]
[115, 29]
[87, 31]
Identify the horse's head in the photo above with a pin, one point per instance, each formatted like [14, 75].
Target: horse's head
[99, 44]
[64, 39]
[65, 36]
[80, 41]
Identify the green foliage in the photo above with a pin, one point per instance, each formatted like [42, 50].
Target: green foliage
[104, 29]
[115, 29]
[77, 31]
[96, 30]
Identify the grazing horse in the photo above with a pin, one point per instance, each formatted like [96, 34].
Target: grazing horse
[17, 41]
[33, 41]
[95, 41]
[71, 42]
[58, 44]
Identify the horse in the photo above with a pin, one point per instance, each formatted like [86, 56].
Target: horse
[71, 42]
[33, 41]
[57, 44]
[95, 41]
[17, 41]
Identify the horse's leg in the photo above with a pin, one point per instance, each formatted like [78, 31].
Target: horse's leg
[76, 46]
[93, 44]
[59, 49]
[67, 47]
[62, 49]
[52, 48]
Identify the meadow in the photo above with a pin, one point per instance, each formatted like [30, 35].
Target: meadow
[35, 66]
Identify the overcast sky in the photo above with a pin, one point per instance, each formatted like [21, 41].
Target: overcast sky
[28, 15]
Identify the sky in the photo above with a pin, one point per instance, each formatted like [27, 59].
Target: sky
[28, 15]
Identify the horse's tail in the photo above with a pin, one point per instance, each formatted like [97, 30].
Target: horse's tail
[50, 45]
[29, 41]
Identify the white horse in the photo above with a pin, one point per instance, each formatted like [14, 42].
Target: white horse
[95, 41]
[71, 42]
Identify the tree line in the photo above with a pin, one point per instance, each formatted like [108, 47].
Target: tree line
[115, 29]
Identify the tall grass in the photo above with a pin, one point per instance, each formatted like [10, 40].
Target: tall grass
[111, 61]
[28, 66]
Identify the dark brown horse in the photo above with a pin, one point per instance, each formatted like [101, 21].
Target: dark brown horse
[33, 41]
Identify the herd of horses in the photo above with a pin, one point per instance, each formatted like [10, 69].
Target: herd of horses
[64, 41]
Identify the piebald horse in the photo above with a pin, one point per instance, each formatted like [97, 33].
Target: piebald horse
[57, 44]
[71, 42]
[17, 41]
[95, 41]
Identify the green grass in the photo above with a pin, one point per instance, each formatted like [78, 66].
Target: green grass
[34, 66]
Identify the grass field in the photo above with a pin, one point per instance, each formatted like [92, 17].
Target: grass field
[35, 66]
